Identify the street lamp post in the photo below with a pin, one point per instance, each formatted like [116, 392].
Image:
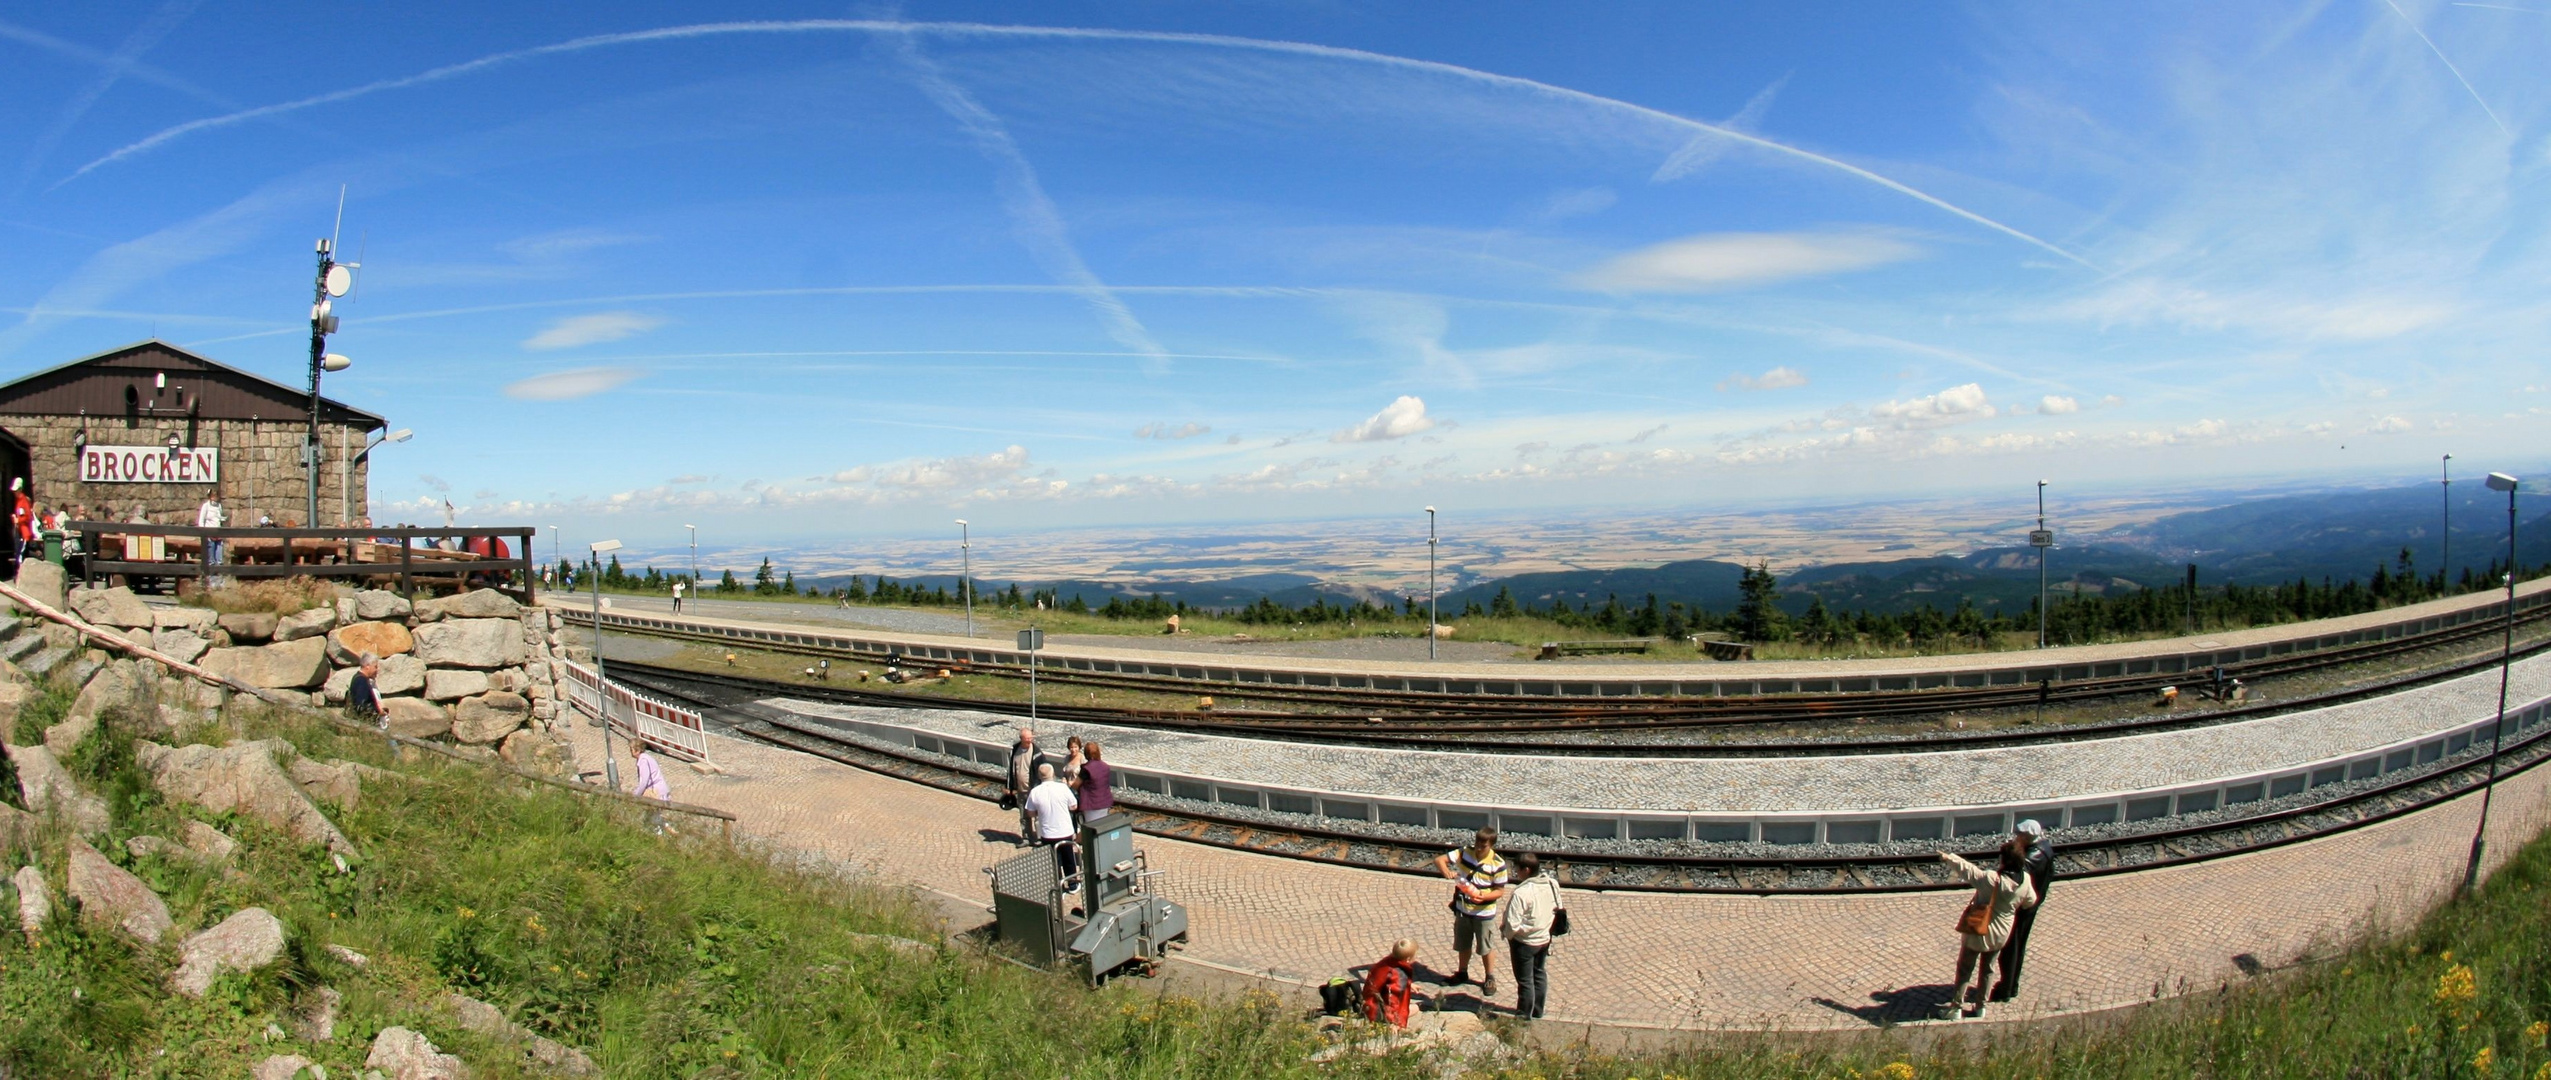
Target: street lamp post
[965, 575]
[1430, 582]
[2445, 532]
[2041, 539]
[602, 683]
[695, 560]
[557, 552]
[345, 473]
[2506, 660]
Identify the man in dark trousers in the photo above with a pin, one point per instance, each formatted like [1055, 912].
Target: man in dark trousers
[2041, 871]
[1023, 763]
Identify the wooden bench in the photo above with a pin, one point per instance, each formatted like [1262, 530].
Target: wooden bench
[1728, 650]
[1552, 650]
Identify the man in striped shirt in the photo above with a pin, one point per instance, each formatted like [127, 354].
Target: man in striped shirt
[1479, 880]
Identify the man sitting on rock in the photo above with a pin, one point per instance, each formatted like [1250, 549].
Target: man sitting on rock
[363, 695]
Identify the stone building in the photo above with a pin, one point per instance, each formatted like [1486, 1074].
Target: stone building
[154, 425]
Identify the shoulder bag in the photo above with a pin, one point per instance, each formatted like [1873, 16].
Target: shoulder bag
[1978, 917]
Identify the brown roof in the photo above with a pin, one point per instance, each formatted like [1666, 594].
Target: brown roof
[122, 381]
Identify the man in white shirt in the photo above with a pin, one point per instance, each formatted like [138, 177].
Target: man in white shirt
[209, 516]
[1052, 804]
[677, 596]
[1531, 915]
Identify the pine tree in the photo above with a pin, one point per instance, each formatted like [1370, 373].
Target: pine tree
[1758, 615]
[764, 581]
[726, 582]
[1818, 625]
[1503, 606]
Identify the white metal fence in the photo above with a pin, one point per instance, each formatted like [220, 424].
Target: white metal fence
[670, 728]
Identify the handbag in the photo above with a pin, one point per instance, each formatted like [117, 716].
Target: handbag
[1009, 800]
[1977, 919]
[1559, 923]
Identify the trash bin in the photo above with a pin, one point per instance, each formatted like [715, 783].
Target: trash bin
[53, 546]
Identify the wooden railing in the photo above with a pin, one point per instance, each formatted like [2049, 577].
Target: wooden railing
[407, 556]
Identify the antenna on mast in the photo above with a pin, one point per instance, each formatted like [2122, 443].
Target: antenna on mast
[339, 229]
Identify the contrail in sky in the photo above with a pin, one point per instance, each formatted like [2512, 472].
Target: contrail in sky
[2449, 66]
[112, 68]
[986, 30]
[1039, 222]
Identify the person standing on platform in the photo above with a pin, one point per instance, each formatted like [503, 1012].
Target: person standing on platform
[1479, 879]
[209, 516]
[1097, 789]
[2040, 857]
[1052, 804]
[1023, 763]
[1532, 912]
[1985, 926]
[677, 596]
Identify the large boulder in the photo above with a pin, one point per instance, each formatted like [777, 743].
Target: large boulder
[380, 604]
[315, 622]
[35, 900]
[336, 783]
[416, 719]
[280, 1067]
[209, 842]
[116, 607]
[472, 643]
[538, 752]
[42, 581]
[107, 894]
[402, 1054]
[246, 941]
[349, 643]
[453, 684]
[200, 622]
[17, 827]
[340, 684]
[488, 1021]
[242, 777]
[474, 604]
[288, 665]
[186, 646]
[43, 783]
[489, 717]
[249, 627]
[402, 674]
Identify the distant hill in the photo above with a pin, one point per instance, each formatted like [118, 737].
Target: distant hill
[1998, 579]
[2340, 534]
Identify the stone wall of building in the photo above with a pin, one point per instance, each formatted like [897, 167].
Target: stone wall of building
[260, 468]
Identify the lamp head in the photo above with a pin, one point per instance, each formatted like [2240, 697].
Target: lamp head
[960, 521]
[601, 547]
[2499, 481]
[401, 435]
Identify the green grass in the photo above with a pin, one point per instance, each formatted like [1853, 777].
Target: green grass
[687, 957]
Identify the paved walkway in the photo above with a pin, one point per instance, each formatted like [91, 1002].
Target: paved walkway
[1855, 783]
[1675, 961]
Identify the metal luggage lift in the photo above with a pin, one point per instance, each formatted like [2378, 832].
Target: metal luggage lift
[1121, 923]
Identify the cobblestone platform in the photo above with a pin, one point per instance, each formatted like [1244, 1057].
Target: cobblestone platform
[1669, 961]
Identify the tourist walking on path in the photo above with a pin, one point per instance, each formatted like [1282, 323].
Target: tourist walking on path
[21, 520]
[1479, 879]
[1985, 926]
[677, 596]
[1097, 788]
[650, 782]
[1532, 911]
[1387, 988]
[2039, 853]
[1052, 804]
[1023, 779]
[210, 516]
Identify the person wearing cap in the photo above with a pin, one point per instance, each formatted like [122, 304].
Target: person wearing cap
[2040, 855]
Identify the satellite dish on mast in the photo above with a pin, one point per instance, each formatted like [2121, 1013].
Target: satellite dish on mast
[339, 280]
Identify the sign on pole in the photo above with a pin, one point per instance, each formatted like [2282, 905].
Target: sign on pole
[1031, 639]
[2041, 538]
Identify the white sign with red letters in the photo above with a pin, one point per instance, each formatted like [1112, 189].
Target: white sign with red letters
[150, 465]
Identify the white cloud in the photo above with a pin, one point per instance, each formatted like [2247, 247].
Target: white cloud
[569, 385]
[1164, 431]
[1579, 203]
[1715, 261]
[1779, 378]
[1398, 420]
[2387, 425]
[579, 330]
[2058, 405]
[1955, 405]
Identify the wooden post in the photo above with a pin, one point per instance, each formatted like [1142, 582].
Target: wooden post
[407, 567]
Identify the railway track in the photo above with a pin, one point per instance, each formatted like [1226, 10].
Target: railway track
[1804, 873]
[1616, 740]
[1357, 713]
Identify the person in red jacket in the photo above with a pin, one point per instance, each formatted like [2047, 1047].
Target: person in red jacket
[1386, 990]
[21, 518]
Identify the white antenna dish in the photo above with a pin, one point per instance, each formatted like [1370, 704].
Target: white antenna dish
[335, 362]
[340, 280]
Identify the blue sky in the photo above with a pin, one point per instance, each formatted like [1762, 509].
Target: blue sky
[811, 272]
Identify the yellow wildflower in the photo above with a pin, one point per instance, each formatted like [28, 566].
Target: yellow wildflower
[1896, 1070]
[2543, 1073]
[2485, 1060]
[468, 914]
[2446, 956]
[2536, 1031]
[2457, 986]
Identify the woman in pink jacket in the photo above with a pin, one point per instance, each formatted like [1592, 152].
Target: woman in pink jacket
[2000, 893]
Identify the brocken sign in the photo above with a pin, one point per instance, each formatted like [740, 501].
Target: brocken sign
[150, 465]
